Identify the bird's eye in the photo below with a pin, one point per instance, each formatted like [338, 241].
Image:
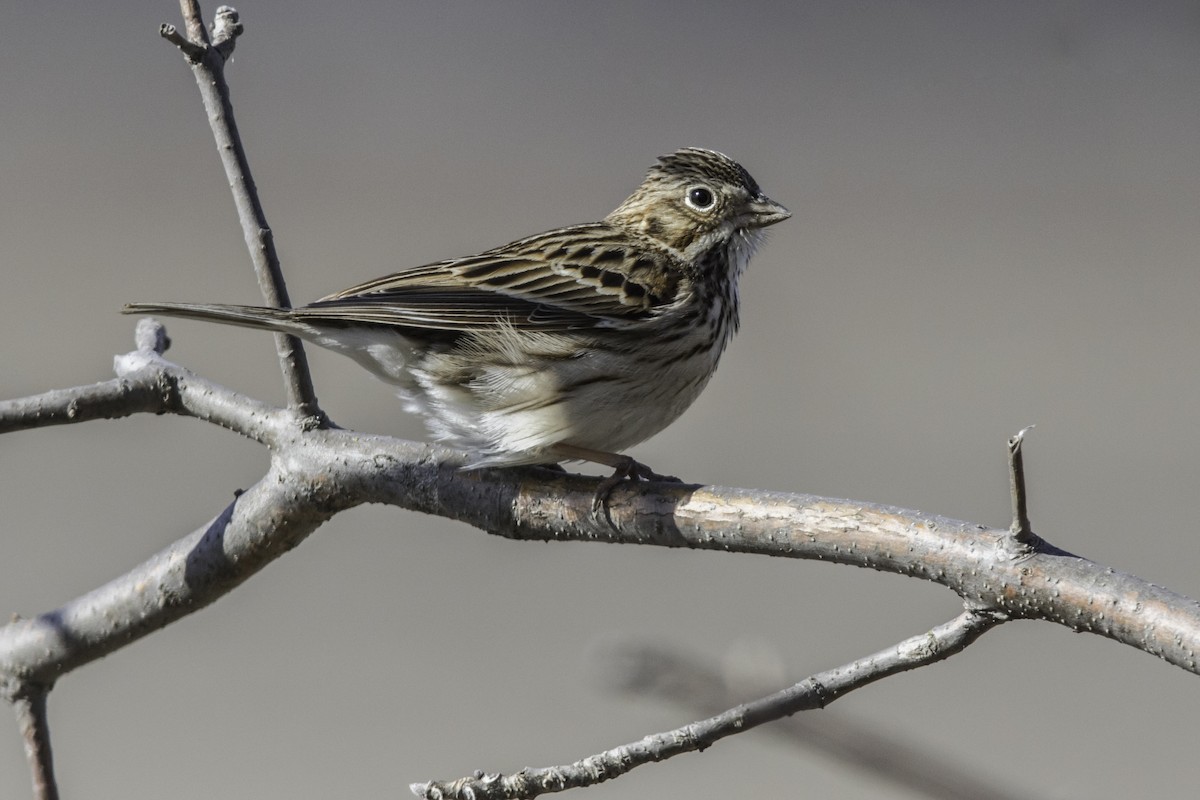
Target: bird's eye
[700, 198]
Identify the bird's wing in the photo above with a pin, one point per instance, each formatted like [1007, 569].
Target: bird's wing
[581, 277]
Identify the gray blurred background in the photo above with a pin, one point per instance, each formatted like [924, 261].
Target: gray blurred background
[995, 225]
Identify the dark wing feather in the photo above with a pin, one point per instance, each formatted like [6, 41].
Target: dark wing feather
[566, 279]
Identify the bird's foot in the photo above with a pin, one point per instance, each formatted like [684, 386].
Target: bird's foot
[626, 470]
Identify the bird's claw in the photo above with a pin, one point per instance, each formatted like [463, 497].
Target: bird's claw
[629, 470]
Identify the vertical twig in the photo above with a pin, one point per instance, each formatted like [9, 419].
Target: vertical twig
[30, 706]
[207, 60]
[1020, 529]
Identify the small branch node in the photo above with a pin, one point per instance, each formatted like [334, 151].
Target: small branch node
[1020, 529]
[226, 28]
[151, 336]
[822, 695]
[310, 421]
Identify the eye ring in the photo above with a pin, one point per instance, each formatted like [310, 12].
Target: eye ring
[700, 198]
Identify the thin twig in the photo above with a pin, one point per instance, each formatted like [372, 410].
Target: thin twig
[172, 35]
[816, 691]
[147, 383]
[196, 32]
[30, 707]
[209, 70]
[654, 672]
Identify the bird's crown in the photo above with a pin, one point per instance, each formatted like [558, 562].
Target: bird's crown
[696, 163]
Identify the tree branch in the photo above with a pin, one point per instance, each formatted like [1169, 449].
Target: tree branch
[317, 473]
[208, 65]
[816, 691]
[108, 400]
[182, 578]
[650, 671]
[148, 383]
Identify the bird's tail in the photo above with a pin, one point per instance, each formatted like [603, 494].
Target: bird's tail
[282, 320]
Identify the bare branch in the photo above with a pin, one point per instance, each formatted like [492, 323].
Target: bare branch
[816, 691]
[185, 393]
[316, 473]
[654, 672]
[973, 560]
[29, 703]
[208, 65]
[186, 576]
[147, 383]
[107, 400]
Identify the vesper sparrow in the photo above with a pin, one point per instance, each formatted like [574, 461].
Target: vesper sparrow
[569, 345]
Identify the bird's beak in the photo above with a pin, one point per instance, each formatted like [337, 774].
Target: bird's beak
[764, 211]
